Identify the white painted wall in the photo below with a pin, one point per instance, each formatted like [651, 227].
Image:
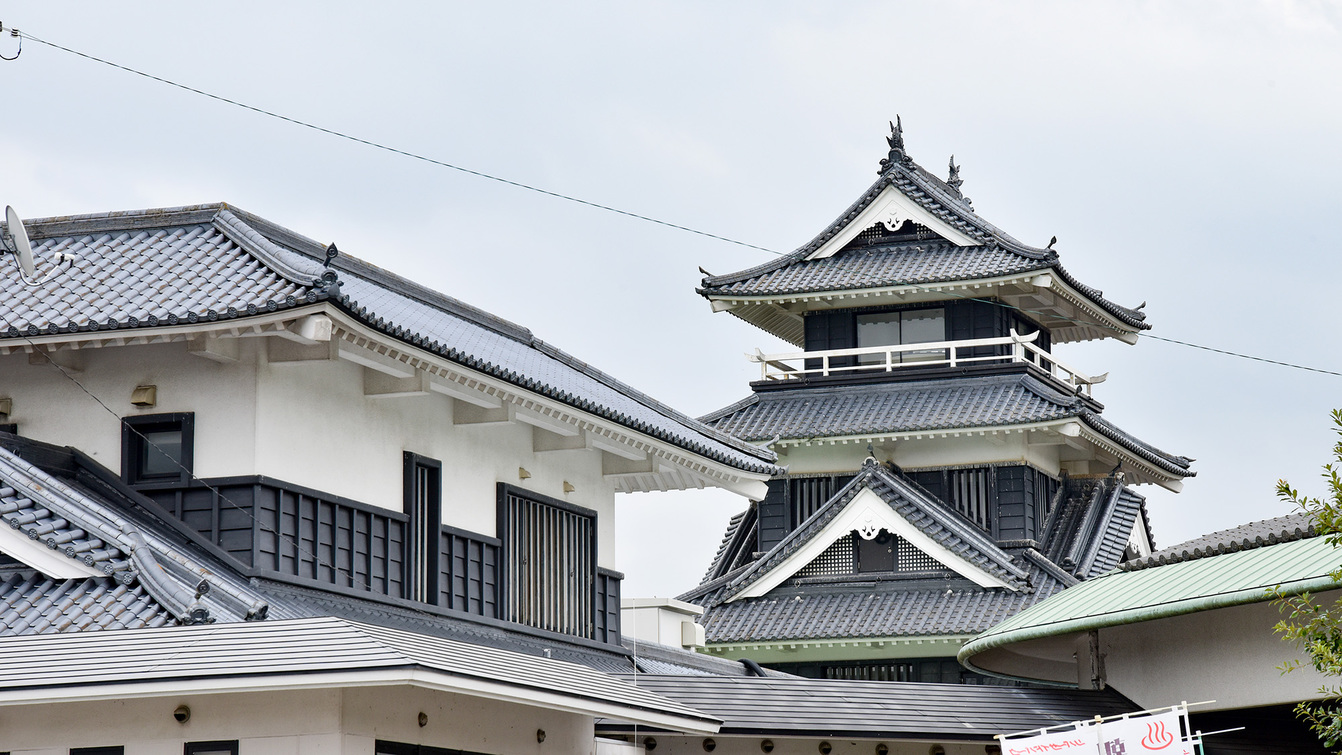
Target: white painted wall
[662, 620]
[929, 452]
[1229, 655]
[307, 423]
[307, 722]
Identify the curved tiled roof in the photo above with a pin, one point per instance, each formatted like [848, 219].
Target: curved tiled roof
[810, 412]
[910, 262]
[214, 262]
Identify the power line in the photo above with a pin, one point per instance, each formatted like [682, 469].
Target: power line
[395, 150]
[608, 208]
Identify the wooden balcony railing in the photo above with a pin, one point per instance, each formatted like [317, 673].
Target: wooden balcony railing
[1015, 348]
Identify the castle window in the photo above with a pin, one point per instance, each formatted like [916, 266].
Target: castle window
[158, 449]
[899, 328]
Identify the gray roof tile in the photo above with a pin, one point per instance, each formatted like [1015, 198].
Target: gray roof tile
[878, 609]
[93, 532]
[808, 412]
[930, 516]
[881, 710]
[905, 263]
[33, 604]
[1282, 529]
[211, 262]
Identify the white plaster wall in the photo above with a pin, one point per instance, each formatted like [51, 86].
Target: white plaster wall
[461, 722]
[316, 428]
[1229, 655]
[306, 423]
[308, 722]
[932, 452]
[52, 408]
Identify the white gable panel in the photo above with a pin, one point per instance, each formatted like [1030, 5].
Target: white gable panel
[891, 208]
[52, 563]
[868, 514]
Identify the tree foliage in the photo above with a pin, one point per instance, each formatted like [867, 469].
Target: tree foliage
[1314, 626]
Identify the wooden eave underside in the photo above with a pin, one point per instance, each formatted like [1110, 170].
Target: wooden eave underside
[1074, 433]
[632, 461]
[1040, 295]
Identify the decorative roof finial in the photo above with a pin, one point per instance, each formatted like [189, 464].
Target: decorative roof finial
[954, 180]
[896, 142]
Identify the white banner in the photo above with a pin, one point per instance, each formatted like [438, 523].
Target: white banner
[1079, 741]
[1139, 734]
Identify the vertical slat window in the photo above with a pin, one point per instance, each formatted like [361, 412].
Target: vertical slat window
[423, 504]
[805, 497]
[550, 553]
[970, 495]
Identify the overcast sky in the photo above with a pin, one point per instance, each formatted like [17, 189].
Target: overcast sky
[1185, 154]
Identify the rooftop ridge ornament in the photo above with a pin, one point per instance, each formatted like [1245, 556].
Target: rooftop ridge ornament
[953, 179]
[896, 141]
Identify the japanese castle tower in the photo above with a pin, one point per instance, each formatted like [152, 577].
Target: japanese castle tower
[944, 469]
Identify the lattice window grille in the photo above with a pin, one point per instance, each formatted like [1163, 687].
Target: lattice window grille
[837, 559]
[876, 672]
[908, 558]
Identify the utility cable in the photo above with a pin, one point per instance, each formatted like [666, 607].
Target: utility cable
[597, 205]
[395, 150]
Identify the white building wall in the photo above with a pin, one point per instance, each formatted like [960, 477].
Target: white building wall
[306, 722]
[1229, 655]
[307, 423]
[927, 452]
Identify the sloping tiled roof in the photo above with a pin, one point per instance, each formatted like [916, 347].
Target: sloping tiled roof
[876, 609]
[215, 262]
[255, 651]
[33, 604]
[1088, 531]
[931, 517]
[881, 710]
[816, 412]
[898, 263]
[809, 412]
[68, 521]
[1282, 529]
[905, 263]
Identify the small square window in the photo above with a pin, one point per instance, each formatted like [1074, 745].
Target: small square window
[157, 449]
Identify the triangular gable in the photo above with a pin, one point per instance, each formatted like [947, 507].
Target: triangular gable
[890, 208]
[876, 500]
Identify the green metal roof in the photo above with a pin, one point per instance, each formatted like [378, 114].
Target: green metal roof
[1180, 588]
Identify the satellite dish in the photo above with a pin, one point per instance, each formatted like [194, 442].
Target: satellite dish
[22, 249]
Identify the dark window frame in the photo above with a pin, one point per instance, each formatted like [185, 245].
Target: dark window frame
[105, 750]
[198, 748]
[424, 531]
[134, 447]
